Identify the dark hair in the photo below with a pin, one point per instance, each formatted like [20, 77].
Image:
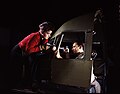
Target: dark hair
[46, 26]
[80, 43]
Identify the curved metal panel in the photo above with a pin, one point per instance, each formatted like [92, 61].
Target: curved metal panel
[81, 23]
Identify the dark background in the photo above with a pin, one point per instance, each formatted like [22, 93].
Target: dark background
[20, 18]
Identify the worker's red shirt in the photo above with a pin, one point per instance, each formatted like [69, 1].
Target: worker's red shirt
[30, 44]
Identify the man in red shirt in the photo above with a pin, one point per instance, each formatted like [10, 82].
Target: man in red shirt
[30, 49]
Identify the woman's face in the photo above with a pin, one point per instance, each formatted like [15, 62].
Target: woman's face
[47, 34]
